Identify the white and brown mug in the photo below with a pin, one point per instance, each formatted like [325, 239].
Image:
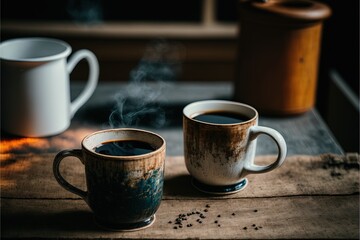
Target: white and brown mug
[220, 139]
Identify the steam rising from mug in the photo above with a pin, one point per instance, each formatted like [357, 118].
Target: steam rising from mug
[138, 104]
[85, 11]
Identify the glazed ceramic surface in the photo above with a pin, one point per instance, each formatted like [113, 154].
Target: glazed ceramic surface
[124, 192]
[223, 154]
[35, 91]
[278, 54]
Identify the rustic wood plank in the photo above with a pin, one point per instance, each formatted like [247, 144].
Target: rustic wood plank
[30, 176]
[308, 197]
[123, 30]
[276, 218]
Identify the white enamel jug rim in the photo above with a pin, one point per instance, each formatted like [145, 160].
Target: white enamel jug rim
[30, 49]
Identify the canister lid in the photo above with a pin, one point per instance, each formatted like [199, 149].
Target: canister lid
[301, 11]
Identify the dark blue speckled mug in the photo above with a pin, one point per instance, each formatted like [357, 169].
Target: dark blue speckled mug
[124, 192]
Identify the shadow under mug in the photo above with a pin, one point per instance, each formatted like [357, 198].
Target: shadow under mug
[35, 88]
[218, 156]
[124, 192]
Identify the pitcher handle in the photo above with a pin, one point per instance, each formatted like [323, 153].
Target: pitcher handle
[92, 80]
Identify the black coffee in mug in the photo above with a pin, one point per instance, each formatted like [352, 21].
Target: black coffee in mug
[221, 117]
[124, 148]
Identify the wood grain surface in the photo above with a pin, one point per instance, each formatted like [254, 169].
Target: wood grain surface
[308, 197]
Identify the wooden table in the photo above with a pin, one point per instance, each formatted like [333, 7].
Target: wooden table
[315, 194]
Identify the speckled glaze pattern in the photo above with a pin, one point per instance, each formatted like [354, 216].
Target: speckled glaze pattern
[215, 150]
[124, 192]
[221, 155]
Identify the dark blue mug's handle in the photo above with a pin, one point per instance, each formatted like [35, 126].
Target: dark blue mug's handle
[65, 184]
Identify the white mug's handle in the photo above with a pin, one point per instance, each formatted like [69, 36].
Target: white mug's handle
[92, 81]
[255, 131]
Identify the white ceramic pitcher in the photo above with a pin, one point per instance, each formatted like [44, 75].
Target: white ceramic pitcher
[35, 88]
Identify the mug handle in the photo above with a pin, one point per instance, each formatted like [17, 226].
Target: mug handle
[92, 81]
[65, 184]
[255, 131]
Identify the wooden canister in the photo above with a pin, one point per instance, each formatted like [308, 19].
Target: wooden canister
[278, 54]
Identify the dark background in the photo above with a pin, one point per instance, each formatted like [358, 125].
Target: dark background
[339, 51]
